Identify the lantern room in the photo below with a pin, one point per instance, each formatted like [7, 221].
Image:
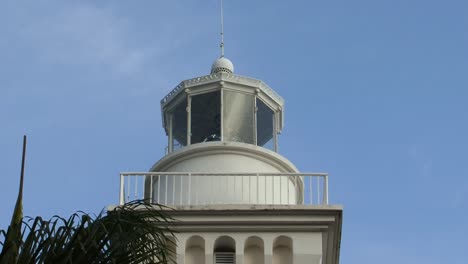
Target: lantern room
[222, 106]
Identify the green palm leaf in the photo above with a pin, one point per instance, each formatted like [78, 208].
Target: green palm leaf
[10, 247]
[137, 232]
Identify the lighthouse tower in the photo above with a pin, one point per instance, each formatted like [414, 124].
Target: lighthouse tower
[237, 199]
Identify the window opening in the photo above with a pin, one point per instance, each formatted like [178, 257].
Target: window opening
[179, 125]
[206, 117]
[265, 125]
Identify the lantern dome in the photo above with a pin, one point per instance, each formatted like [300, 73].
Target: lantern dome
[222, 64]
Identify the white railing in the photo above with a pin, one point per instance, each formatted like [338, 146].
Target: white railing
[182, 188]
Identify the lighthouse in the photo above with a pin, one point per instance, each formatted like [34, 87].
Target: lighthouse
[236, 199]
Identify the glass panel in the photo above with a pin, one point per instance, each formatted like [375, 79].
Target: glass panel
[238, 117]
[177, 145]
[265, 117]
[206, 117]
[179, 125]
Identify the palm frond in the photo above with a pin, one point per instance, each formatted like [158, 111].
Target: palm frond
[12, 243]
[137, 232]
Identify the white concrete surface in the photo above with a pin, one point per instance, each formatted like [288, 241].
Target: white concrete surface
[225, 157]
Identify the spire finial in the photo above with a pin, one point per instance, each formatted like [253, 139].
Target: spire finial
[222, 31]
[222, 64]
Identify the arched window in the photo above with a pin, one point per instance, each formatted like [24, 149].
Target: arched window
[224, 251]
[195, 250]
[283, 250]
[254, 251]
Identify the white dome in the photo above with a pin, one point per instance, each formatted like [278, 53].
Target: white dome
[222, 65]
[224, 158]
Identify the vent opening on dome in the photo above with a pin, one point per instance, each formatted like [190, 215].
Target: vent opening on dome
[226, 70]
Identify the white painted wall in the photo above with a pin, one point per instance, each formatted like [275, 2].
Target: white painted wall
[223, 157]
[195, 255]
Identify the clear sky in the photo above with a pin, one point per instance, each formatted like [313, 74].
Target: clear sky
[376, 95]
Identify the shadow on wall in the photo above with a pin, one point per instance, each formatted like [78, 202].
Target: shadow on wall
[195, 250]
[254, 251]
[282, 250]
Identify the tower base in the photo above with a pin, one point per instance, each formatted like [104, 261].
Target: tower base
[248, 234]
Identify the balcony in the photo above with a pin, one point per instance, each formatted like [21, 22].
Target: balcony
[183, 188]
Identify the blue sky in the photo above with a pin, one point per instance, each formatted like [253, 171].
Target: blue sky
[376, 95]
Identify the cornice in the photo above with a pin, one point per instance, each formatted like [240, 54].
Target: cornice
[218, 77]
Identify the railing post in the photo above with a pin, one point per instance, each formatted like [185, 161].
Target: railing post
[129, 183]
[122, 188]
[235, 189]
[272, 189]
[181, 189]
[281, 190]
[325, 189]
[211, 188]
[318, 190]
[190, 188]
[311, 194]
[159, 189]
[242, 188]
[136, 187]
[195, 183]
[250, 185]
[165, 191]
[151, 189]
[173, 188]
[258, 190]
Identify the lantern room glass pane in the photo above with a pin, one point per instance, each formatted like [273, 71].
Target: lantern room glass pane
[179, 124]
[238, 117]
[265, 122]
[206, 117]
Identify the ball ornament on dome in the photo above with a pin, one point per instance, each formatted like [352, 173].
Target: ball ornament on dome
[222, 65]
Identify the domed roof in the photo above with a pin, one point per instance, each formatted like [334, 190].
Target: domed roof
[222, 65]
